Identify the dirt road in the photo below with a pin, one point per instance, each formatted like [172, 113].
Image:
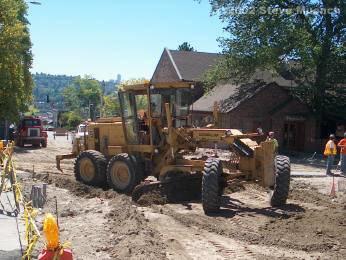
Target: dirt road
[102, 224]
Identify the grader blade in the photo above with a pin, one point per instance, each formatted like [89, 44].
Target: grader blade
[174, 189]
[61, 157]
[145, 188]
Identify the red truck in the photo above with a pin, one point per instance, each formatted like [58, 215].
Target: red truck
[30, 131]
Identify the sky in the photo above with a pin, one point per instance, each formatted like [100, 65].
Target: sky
[108, 37]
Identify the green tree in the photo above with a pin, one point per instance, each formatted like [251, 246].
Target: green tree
[15, 59]
[70, 119]
[31, 111]
[185, 46]
[111, 105]
[305, 37]
[134, 81]
[81, 93]
[141, 100]
[73, 119]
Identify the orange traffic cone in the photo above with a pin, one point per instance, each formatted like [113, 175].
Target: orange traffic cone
[333, 192]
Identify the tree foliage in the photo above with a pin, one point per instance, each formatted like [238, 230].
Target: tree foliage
[111, 106]
[51, 85]
[15, 59]
[82, 99]
[185, 46]
[31, 111]
[305, 37]
[141, 100]
[54, 85]
[81, 93]
[70, 119]
[134, 81]
[73, 119]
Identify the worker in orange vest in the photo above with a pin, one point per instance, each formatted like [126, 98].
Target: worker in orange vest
[342, 145]
[330, 152]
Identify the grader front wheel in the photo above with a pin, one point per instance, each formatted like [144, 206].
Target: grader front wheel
[90, 168]
[282, 181]
[211, 186]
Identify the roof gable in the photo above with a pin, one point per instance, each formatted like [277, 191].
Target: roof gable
[192, 65]
[183, 65]
[166, 70]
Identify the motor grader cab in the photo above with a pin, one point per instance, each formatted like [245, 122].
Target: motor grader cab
[124, 151]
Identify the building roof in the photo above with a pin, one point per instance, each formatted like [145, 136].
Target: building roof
[229, 95]
[191, 65]
[183, 65]
[217, 94]
[240, 94]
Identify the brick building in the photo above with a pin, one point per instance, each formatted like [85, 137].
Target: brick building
[266, 102]
[269, 106]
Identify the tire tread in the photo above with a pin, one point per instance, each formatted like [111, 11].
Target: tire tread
[282, 181]
[211, 196]
[136, 173]
[100, 163]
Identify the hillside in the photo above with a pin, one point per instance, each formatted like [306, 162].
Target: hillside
[53, 85]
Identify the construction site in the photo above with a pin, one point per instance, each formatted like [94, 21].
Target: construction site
[123, 191]
[235, 152]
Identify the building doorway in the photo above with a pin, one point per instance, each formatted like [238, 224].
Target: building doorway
[294, 135]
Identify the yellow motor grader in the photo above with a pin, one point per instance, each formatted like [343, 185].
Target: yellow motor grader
[124, 151]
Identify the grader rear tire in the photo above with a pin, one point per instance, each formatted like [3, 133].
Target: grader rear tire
[282, 181]
[123, 174]
[90, 168]
[211, 186]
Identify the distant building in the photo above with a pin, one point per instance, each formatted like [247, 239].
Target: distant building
[118, 81]
[111, 86]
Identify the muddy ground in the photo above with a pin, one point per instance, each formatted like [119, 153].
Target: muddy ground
[102, 224]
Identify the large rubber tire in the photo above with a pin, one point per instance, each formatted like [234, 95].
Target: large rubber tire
[211, 186]
[44, 143]
[123, 173]
[282, 181]
[90, 168]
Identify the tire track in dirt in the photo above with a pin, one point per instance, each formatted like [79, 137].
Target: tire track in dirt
[192, 241]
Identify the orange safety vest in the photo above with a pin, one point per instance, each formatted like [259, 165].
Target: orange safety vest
[330, 151]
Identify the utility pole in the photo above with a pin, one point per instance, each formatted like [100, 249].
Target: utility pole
[103, 87]
[91, 111]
